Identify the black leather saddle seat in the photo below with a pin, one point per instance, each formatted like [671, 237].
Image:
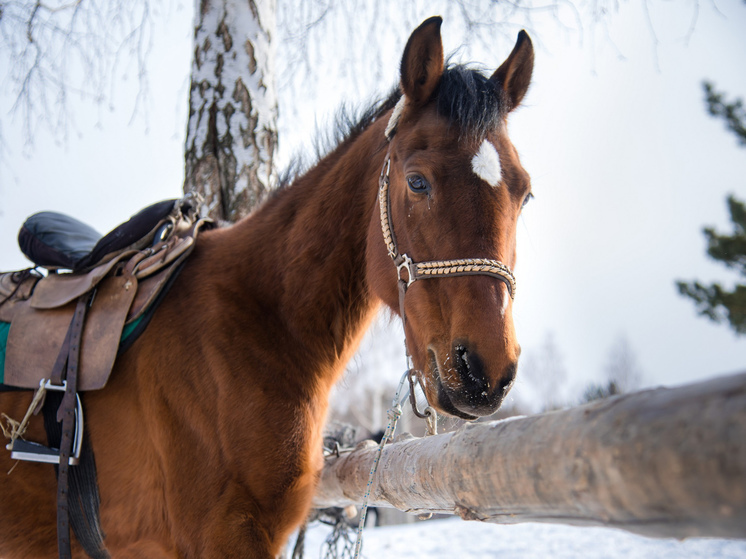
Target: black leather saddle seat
[54, 240]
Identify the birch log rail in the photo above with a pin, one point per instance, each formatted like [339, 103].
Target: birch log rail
[667, 462]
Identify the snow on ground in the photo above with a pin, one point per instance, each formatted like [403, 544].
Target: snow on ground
[454, 538]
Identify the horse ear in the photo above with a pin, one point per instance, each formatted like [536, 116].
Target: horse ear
[514, 75]
[422, 61]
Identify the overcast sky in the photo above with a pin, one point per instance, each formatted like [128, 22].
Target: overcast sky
[626, 165]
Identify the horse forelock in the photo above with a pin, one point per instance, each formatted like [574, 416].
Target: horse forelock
[468, 99]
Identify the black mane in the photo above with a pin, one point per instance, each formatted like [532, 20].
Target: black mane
[469, 100]
[464, 96]
[347, 127]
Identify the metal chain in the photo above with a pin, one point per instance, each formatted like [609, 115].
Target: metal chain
[394, 413]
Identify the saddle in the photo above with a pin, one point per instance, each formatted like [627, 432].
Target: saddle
[68, 326]
[125, 270]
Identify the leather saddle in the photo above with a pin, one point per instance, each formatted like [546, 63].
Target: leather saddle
[124, 273]
[68, 326]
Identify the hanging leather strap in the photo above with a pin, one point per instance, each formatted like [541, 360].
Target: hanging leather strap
[84, 500]
[66, 415]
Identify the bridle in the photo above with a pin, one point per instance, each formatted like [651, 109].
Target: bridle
[434, 268]
[428, 270]
[416, 271]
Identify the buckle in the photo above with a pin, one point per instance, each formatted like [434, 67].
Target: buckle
[35, 452]
[406, 264]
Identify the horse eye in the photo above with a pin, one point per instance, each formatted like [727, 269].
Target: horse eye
[418, 184]
[526, 199]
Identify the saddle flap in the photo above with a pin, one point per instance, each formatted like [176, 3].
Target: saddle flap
[14, 288]
[57, 290]
[36, 337]
[156, 273]
[164, 255]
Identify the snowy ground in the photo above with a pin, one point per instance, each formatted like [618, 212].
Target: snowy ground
[454, 538]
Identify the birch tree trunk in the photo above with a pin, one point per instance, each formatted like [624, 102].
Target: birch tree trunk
[232, 128]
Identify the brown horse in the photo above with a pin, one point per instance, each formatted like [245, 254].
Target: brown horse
[207, 437]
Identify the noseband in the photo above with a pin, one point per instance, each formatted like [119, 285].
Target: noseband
[428, 270]
[434, 268]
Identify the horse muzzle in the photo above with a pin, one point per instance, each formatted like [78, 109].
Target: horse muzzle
[463, 386]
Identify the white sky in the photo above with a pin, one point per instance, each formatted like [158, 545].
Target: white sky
[627, 168]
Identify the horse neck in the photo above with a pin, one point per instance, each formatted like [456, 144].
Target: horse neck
[305, 257]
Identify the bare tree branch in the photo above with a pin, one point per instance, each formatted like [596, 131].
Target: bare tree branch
[53, 50]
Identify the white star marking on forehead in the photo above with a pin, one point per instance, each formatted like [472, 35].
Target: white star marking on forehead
[486, 164]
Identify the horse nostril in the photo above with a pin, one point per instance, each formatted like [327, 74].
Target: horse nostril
[462, 356]
[507, 380]
[470, 369]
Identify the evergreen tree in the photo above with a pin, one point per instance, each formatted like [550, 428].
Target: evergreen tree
[714, 301]
[732, 112]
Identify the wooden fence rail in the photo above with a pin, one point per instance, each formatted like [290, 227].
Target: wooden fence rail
[668, 462]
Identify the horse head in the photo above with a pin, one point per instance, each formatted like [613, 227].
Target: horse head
[452, 190]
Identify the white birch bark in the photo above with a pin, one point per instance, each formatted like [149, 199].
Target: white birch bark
[232, 128]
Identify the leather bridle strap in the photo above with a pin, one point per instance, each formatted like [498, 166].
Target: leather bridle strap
[436, 268]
